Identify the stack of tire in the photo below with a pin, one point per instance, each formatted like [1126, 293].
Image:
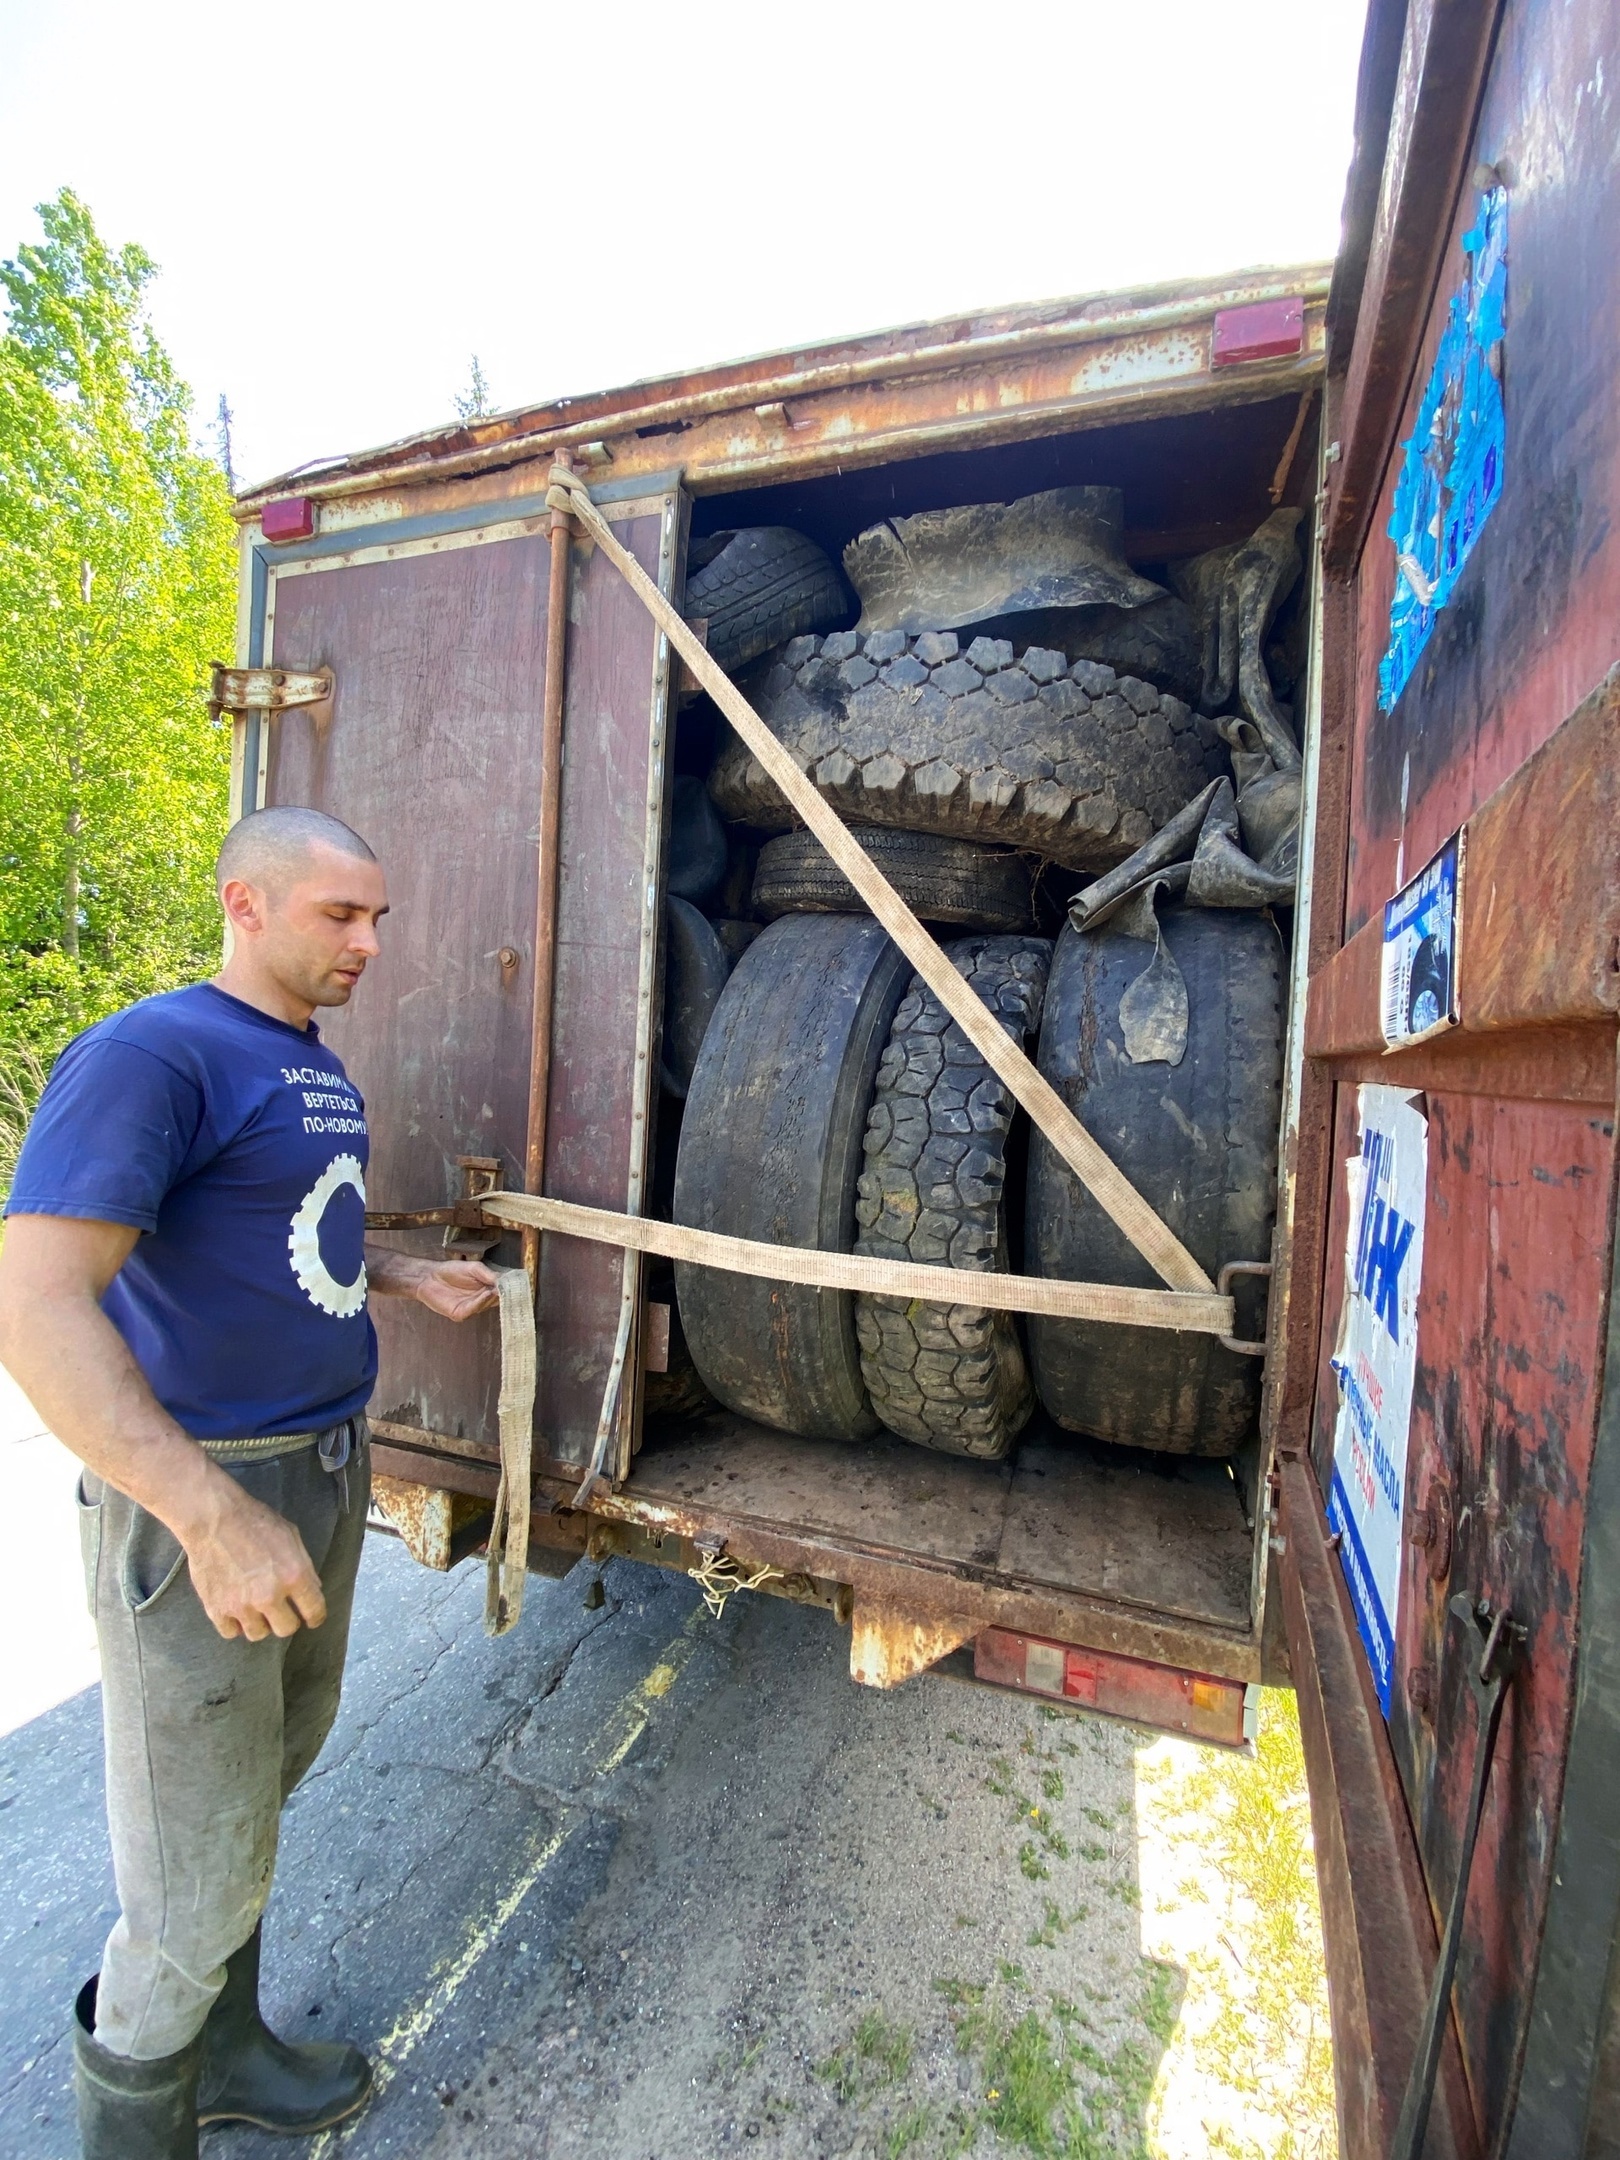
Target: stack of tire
[831, 1103]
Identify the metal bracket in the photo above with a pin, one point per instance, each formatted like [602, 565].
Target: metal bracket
[468, 1232]
[1223, 1283]
[1496, 1645]
[471, 1239]
[236, 690]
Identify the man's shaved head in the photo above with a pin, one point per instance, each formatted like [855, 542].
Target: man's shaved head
[268, 849]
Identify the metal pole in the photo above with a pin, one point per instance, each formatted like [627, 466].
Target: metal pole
[545, 922]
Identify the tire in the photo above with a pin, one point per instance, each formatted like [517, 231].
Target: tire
[1157, 643]
[766, 584]
[697, 841]
[948, 1377]
[678, 1392]
[1199, 1142]
[696, 968]
[771, 1148]
[942, 881]
[1068, 759]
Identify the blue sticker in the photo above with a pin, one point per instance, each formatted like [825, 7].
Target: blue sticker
[1451, 466]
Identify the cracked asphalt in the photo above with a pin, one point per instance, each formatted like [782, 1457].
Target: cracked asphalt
[622, 1883]
[632, 1883]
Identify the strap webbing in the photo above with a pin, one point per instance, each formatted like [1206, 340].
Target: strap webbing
[509, 1533]
[1107, 1184]
[1198, 1312]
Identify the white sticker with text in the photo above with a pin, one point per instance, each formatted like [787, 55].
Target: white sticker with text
[1375, 1362]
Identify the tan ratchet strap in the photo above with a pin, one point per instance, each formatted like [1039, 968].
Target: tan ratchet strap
[1108, 1186]
[507, 1563]
[1197, 1312]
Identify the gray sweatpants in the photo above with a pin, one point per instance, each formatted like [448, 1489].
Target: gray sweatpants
[205, 1738]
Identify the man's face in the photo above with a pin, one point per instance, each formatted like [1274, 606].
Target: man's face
[314, 933]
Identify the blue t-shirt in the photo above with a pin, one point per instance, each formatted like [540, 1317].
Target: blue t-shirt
[238, 1145]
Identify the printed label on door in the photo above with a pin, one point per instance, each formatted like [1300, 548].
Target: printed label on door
[1375, 1361]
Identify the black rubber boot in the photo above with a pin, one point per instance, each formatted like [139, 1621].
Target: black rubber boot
[248, 2075]
[132, 2110]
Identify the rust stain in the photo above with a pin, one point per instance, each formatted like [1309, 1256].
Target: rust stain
[863, 400]
[888, 1645]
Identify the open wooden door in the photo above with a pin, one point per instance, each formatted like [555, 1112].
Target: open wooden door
[435, 629]
[1450, 1168]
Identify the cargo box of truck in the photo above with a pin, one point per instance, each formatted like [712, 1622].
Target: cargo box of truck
[1324, 563]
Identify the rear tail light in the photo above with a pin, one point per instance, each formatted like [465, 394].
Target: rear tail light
[291, 517]
[1197, 1704]
[1267, 330]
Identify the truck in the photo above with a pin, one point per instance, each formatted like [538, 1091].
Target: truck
[438, 644]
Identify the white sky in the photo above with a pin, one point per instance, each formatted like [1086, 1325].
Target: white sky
[347, 200]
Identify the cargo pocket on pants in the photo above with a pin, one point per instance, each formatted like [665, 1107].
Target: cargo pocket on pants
[89, 1512]
[153, 1559]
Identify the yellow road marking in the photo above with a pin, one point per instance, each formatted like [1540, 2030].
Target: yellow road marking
[617, 1735]
[632, 1717]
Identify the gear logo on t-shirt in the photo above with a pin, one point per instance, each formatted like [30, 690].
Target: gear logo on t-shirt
[315, 1278]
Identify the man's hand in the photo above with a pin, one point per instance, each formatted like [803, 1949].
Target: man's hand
[454, 1289]
[457, 1289]
[249, 1566]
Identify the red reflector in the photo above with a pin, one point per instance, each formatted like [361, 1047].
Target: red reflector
[1265, 331]
[1202, 1707]
[292, 518]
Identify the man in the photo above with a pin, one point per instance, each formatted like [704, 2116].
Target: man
[183, 1292]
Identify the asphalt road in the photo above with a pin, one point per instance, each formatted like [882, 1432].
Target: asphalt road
[635, 1884]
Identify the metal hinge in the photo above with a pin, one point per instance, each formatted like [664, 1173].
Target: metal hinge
[236, 690]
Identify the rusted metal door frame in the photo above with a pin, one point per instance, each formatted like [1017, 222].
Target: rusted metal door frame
[1570, 2080]
[1378, 1925]
[1378, 1932]
[1422, 153]
[1425, 66]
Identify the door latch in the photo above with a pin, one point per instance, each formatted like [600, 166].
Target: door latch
[468, 1232]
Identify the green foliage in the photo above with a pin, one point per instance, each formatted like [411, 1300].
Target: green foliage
[1271, 2037]
[117, 577]
[877, 2053]
[1052, 2087]
[475, 402]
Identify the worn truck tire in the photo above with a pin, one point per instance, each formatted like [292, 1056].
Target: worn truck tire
[698, 853]
[696, 967]
[767, 583]
[1071, 760]
[951, 1377]
[1198, 1140]
[770, 1149]
[1158, 643]
[941, 881]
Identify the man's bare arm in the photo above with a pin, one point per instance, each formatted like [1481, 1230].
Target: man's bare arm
[454, 1289]
[248, 1564]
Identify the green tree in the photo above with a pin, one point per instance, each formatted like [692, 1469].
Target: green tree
[117, 576]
